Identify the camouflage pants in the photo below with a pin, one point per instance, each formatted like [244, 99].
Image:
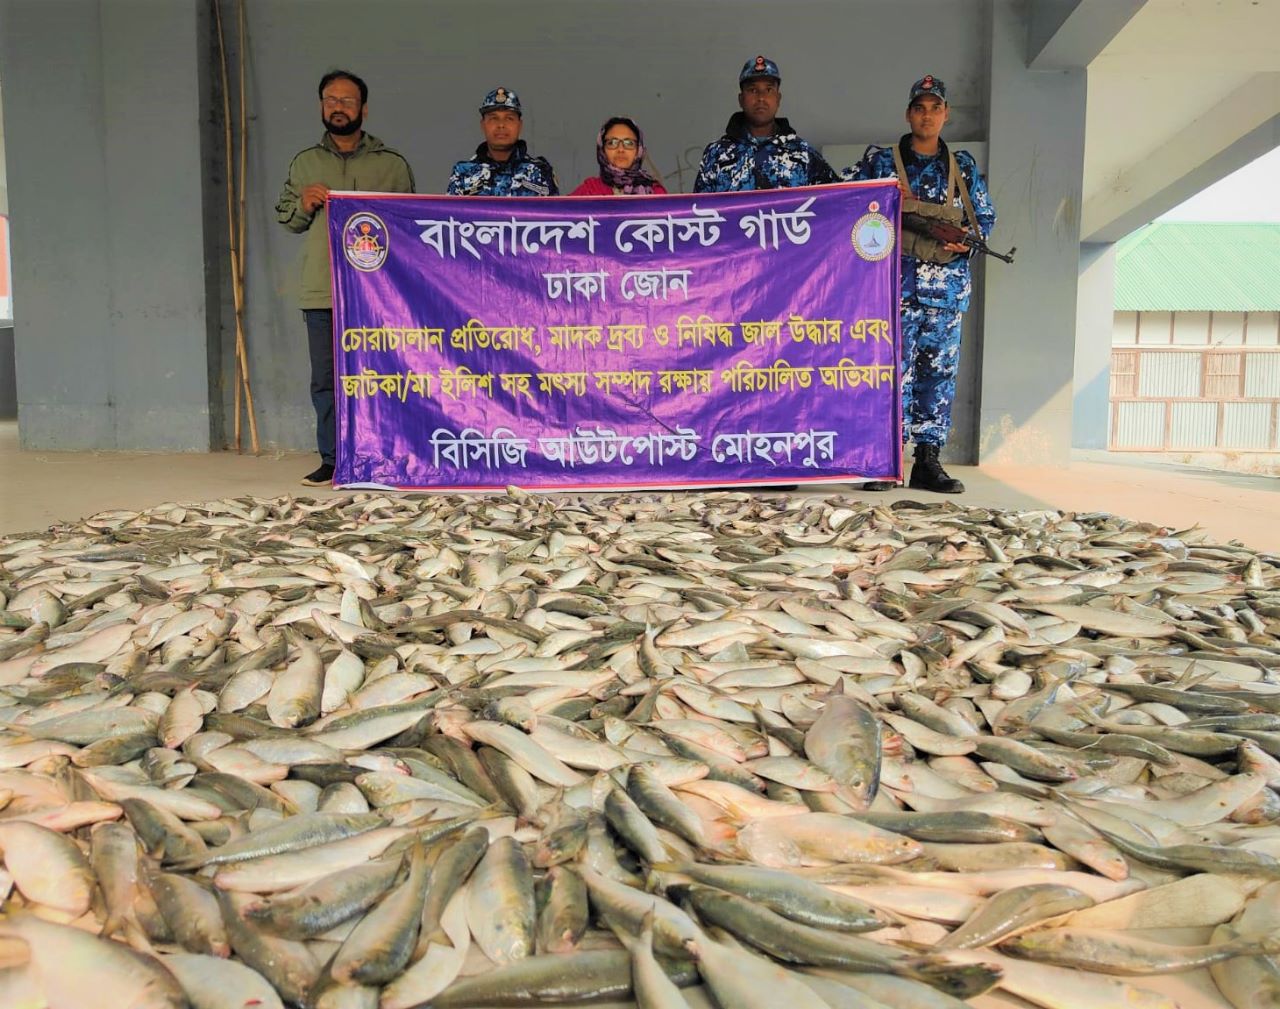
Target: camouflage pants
[930, 360]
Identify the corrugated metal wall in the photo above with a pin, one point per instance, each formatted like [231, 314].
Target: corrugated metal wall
[1168, 375]
[1172, 398]
[1262, 376]
[1137, 425]
[1246, 425]
[1193, 425]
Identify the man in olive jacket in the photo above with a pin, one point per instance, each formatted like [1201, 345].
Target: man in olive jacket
[346, 158]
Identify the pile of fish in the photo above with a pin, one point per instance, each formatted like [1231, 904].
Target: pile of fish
[659, 749]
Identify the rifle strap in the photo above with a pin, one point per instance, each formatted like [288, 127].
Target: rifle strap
[900, 168]
[954, 179]
[953, 173]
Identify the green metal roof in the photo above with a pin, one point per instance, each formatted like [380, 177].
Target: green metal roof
[1189, 266]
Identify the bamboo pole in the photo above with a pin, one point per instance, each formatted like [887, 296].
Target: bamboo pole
[226, 125]
[236, 384]
[233, 236]
[244, 131]
[242, 253]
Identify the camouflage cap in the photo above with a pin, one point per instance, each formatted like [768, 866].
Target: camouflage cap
[501, 98]
[759, 67]
[928, 85]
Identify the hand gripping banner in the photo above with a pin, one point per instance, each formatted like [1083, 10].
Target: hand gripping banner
[590, 342]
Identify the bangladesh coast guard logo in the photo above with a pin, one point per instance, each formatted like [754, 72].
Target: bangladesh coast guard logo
[364, 240]
[873, 235]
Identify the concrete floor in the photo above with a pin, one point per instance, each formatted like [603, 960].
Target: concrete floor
[38, 489]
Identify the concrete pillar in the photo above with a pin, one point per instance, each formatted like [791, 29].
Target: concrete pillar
[8, 381]
[1095, 312]
[1036, 161]
[4, 183]
[107, 223]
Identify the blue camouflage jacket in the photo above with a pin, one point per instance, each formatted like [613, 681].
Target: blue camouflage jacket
[740, 161]
[935, 285]
[519, 175]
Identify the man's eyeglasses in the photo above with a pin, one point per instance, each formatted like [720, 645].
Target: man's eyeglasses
[344, 103]
[613, 143]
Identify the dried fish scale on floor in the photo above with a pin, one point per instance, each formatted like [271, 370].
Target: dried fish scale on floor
[525, 749]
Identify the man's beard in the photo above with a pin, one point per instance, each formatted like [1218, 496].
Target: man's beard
[344, 129]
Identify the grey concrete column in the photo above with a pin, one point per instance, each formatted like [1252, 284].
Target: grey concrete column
[103, 116]
[4, 182]
[1095, 314]
[8, 385]
[1036, 160]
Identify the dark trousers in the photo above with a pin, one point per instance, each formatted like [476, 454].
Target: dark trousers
[320, 344]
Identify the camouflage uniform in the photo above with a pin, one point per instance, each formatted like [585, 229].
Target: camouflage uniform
[519, 175]
[740, 161]
[934, 295]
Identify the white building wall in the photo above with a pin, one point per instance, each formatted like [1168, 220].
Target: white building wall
[1191, 327]
[1228, 329]
[1263, 329]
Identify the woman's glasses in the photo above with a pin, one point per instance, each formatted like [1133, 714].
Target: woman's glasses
[613, 143]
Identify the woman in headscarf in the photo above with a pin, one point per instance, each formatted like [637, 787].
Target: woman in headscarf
[620, 154]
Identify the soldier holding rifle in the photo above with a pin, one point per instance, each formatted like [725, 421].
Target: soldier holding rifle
[943, 193]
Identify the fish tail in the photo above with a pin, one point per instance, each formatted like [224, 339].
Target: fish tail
[962, 981]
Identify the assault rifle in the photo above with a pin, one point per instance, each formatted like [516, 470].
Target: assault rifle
[944, 231]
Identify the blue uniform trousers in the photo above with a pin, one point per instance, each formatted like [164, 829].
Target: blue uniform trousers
[930, 360]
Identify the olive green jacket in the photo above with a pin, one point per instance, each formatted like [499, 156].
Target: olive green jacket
[372, 168]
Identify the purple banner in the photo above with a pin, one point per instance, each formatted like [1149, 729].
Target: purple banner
[734, 338]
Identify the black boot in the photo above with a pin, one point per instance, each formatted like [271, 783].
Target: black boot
[927, 473]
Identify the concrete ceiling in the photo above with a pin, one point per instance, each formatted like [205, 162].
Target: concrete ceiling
[1182, 94]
